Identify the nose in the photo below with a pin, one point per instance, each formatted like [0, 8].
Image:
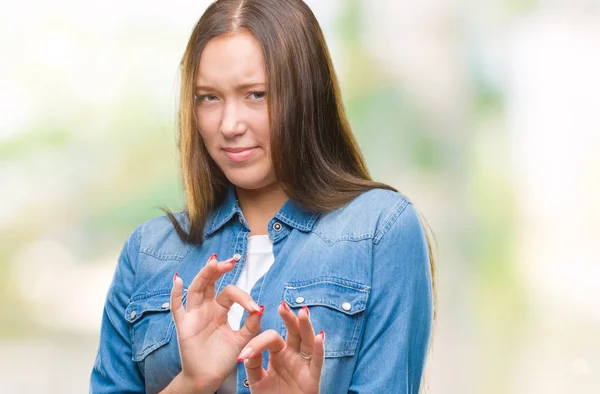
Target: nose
[232, 124]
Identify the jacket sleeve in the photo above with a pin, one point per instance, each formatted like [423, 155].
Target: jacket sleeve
[399, 317]
[114, 370]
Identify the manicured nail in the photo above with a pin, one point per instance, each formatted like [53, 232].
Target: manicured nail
[285, 305]
[175, 276]
[322, 333]
[261, 310]
[213, 256]
[244, 354]
[305, 309]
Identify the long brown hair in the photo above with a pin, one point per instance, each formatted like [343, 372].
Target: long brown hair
[316, 158]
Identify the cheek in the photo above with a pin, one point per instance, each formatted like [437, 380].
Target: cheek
[209, 131]
[207, 138]
[261, 128]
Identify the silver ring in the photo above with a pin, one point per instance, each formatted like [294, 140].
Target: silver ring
[305, 356]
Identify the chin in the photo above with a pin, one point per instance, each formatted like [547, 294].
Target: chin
[249, 179]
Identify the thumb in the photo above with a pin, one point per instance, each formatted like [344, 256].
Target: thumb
[252, 326]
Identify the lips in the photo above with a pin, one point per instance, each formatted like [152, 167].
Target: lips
[236, 150]
[238, 155]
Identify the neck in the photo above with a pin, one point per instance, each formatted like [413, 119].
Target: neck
[260, 205]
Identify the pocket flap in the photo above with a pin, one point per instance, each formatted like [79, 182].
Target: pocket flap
[137, 308]
[340, 294]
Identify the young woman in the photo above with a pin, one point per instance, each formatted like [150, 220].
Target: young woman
[277, 188]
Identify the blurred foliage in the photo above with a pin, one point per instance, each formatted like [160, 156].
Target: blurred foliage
[384, 119]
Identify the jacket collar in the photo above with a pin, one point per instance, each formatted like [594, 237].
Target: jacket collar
[290, 214]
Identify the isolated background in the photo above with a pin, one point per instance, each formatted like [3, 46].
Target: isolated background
[485, 113]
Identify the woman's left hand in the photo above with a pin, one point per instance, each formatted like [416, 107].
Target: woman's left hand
[294, 365]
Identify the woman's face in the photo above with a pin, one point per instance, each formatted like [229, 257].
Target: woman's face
[231, 109]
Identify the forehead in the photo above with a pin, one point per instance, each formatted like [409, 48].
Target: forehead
[231, 59]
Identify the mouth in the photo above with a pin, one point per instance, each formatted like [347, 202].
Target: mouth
[238, 155]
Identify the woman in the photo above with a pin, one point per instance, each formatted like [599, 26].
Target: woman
[276, 188]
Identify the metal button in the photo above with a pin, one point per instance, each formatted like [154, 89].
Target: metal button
[299, 300]
[346, 306]
[246, 383]
[237, 257]
[277, 226]
[133, 314]
[165, 305]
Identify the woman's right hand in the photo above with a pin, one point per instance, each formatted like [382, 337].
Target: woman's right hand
[207, 345]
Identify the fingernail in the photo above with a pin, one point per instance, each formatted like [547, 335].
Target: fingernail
[261, 310]
[254, 306]
[213, 256]
[285, 305]
[244, 354]
[322, 333]
[305, 309]
[175, 276]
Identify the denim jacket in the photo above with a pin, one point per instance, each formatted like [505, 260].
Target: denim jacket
[362, 270]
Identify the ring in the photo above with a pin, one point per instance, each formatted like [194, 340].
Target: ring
[305, 356]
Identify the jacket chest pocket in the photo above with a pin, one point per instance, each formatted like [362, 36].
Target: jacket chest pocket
[151, 323]
[336, 306]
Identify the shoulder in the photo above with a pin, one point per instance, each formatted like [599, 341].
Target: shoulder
[368, 216]
[157, 237]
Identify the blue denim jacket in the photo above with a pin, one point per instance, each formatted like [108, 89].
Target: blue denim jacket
[363, 271]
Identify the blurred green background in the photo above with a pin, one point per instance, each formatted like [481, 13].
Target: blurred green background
[485, 114]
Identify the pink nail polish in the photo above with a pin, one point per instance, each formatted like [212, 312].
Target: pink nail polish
[213, 256]
[244, 354]
[285, 305]
[322, 333]
[305, 309]
[261, 310]
[175, 276]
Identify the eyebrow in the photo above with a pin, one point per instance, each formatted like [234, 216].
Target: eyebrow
[242, 86]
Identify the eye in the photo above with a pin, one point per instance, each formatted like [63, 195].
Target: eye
[258, 95]
[205, 98]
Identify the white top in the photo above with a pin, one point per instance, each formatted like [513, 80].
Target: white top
[258, 261]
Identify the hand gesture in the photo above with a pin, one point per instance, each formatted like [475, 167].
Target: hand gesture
[294, 365]
[207, 344]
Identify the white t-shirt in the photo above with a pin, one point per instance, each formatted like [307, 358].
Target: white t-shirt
[258, 261]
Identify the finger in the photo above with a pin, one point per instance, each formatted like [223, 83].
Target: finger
[221, 268]
[267, 340]
[307, 335]
[177, 299]
[291, 324]
[254, 369]
[316, 363]
[252, 326]
[208, 275]
[200, 281]
[232, 294]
